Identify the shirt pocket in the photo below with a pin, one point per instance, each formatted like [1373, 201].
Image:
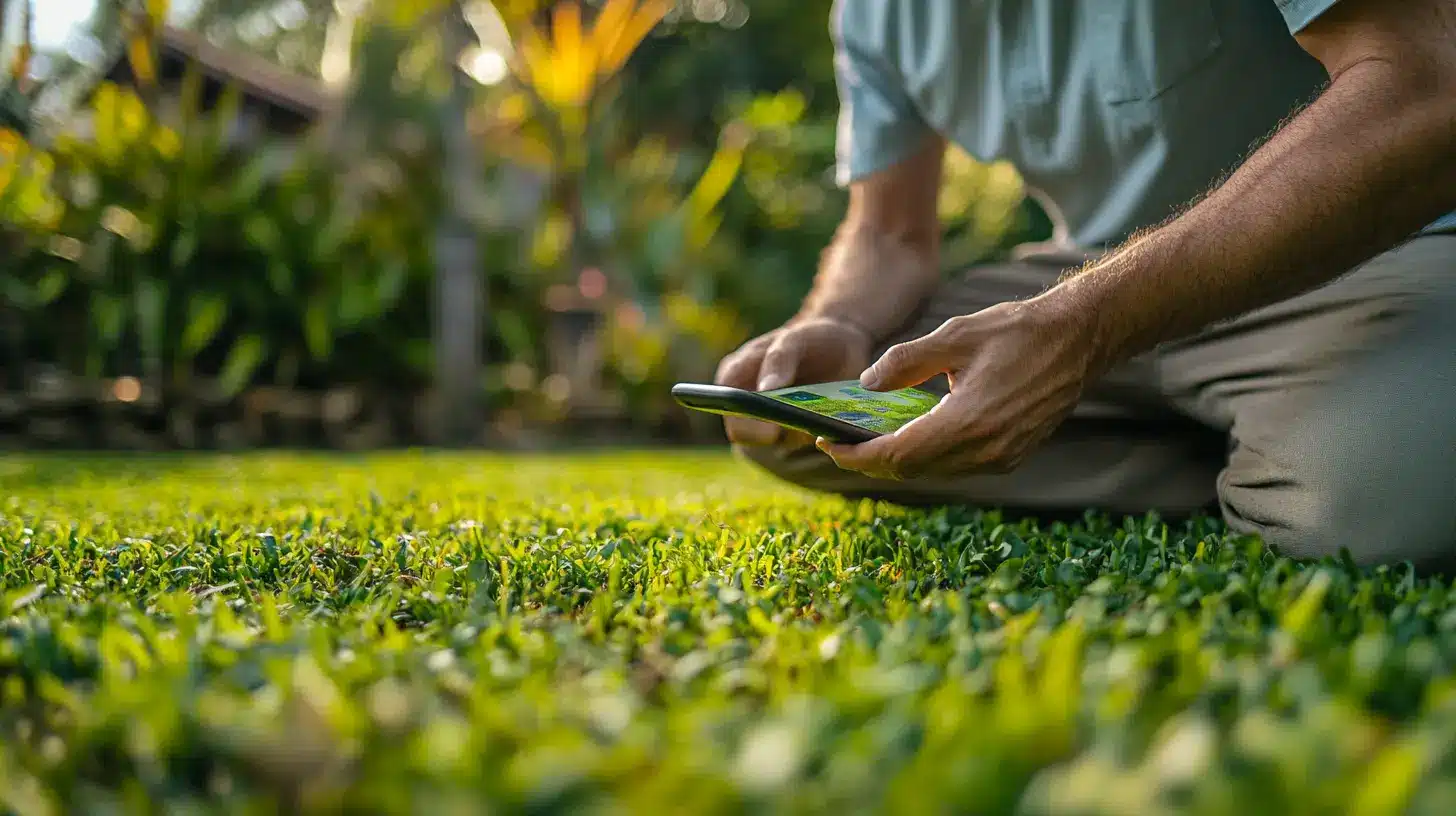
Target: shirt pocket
[1145, 48]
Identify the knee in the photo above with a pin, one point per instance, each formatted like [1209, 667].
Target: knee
[1419, 535]
[1312, 518]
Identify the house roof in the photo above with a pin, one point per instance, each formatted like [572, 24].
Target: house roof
[253, 75]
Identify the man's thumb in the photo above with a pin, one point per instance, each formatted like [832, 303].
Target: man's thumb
[905, 365]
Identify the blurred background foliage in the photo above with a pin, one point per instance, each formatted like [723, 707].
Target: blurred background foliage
[650, 184]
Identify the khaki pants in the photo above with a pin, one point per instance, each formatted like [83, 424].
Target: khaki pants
[1322, 422]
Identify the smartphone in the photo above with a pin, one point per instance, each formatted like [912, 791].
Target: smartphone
[841, 412]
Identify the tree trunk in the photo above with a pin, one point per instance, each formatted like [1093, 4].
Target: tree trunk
[459, 294]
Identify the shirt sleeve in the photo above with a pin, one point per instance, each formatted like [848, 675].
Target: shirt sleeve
[1300, 13]
[879, 124]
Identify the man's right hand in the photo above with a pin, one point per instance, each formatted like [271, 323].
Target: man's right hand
[810, 350]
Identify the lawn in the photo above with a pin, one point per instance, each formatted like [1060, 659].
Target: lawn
[655, 633]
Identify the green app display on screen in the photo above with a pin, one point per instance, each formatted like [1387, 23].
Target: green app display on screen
[882, 412]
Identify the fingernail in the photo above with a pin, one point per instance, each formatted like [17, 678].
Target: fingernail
[822, 444]
[868, 379]
[769, 382]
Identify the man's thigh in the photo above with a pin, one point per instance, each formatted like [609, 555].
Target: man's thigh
[1341, 404]
[1124, 449]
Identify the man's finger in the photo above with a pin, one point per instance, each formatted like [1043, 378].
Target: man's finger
[777, 370]
[780, 364]
[906, 452]
[740, 369]
[870, 458]
[913, 362]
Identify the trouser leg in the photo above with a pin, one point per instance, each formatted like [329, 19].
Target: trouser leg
[1341, 406]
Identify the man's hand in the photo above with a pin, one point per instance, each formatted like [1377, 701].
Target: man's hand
[813, 350]
[1016, 371]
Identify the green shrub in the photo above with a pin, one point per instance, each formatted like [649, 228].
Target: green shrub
[178, 254]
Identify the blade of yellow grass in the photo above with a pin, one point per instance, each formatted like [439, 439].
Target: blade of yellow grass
[574, 57]
[157, 10]
[536, 63]
[717, 178]
[139, 52]
[139, 46]
[565, 67]
[11, 144]
[632, 33]
[611, 22]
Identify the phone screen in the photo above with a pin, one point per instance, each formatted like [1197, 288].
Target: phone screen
[879, 411]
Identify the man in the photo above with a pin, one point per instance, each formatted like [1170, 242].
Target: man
[1283, 347]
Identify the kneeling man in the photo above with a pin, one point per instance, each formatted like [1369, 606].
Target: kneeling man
[1251, 304]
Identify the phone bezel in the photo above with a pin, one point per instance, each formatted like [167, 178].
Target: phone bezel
[721, 399]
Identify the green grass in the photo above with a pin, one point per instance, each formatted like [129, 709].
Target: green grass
[674, 633]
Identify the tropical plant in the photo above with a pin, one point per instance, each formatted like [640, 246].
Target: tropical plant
[163, 249]
[169, 253]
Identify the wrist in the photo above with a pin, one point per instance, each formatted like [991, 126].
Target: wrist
[853, 323]
[1078, 313]
[878, 319]
[876, 282]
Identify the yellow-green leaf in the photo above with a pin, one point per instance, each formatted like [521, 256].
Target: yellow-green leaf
[242, 361]
[157, 11]
[646, 17]
[139, 53]
[317, 331]
[205, 316]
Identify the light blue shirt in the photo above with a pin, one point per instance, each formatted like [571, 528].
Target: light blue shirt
[1120, 111]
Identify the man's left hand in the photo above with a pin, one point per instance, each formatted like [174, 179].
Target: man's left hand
[1016, 371]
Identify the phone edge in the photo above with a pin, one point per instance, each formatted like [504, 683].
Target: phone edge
[849, 434]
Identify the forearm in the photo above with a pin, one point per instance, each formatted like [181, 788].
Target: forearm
[1365, 166]
[872, 280]
[884, 260]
